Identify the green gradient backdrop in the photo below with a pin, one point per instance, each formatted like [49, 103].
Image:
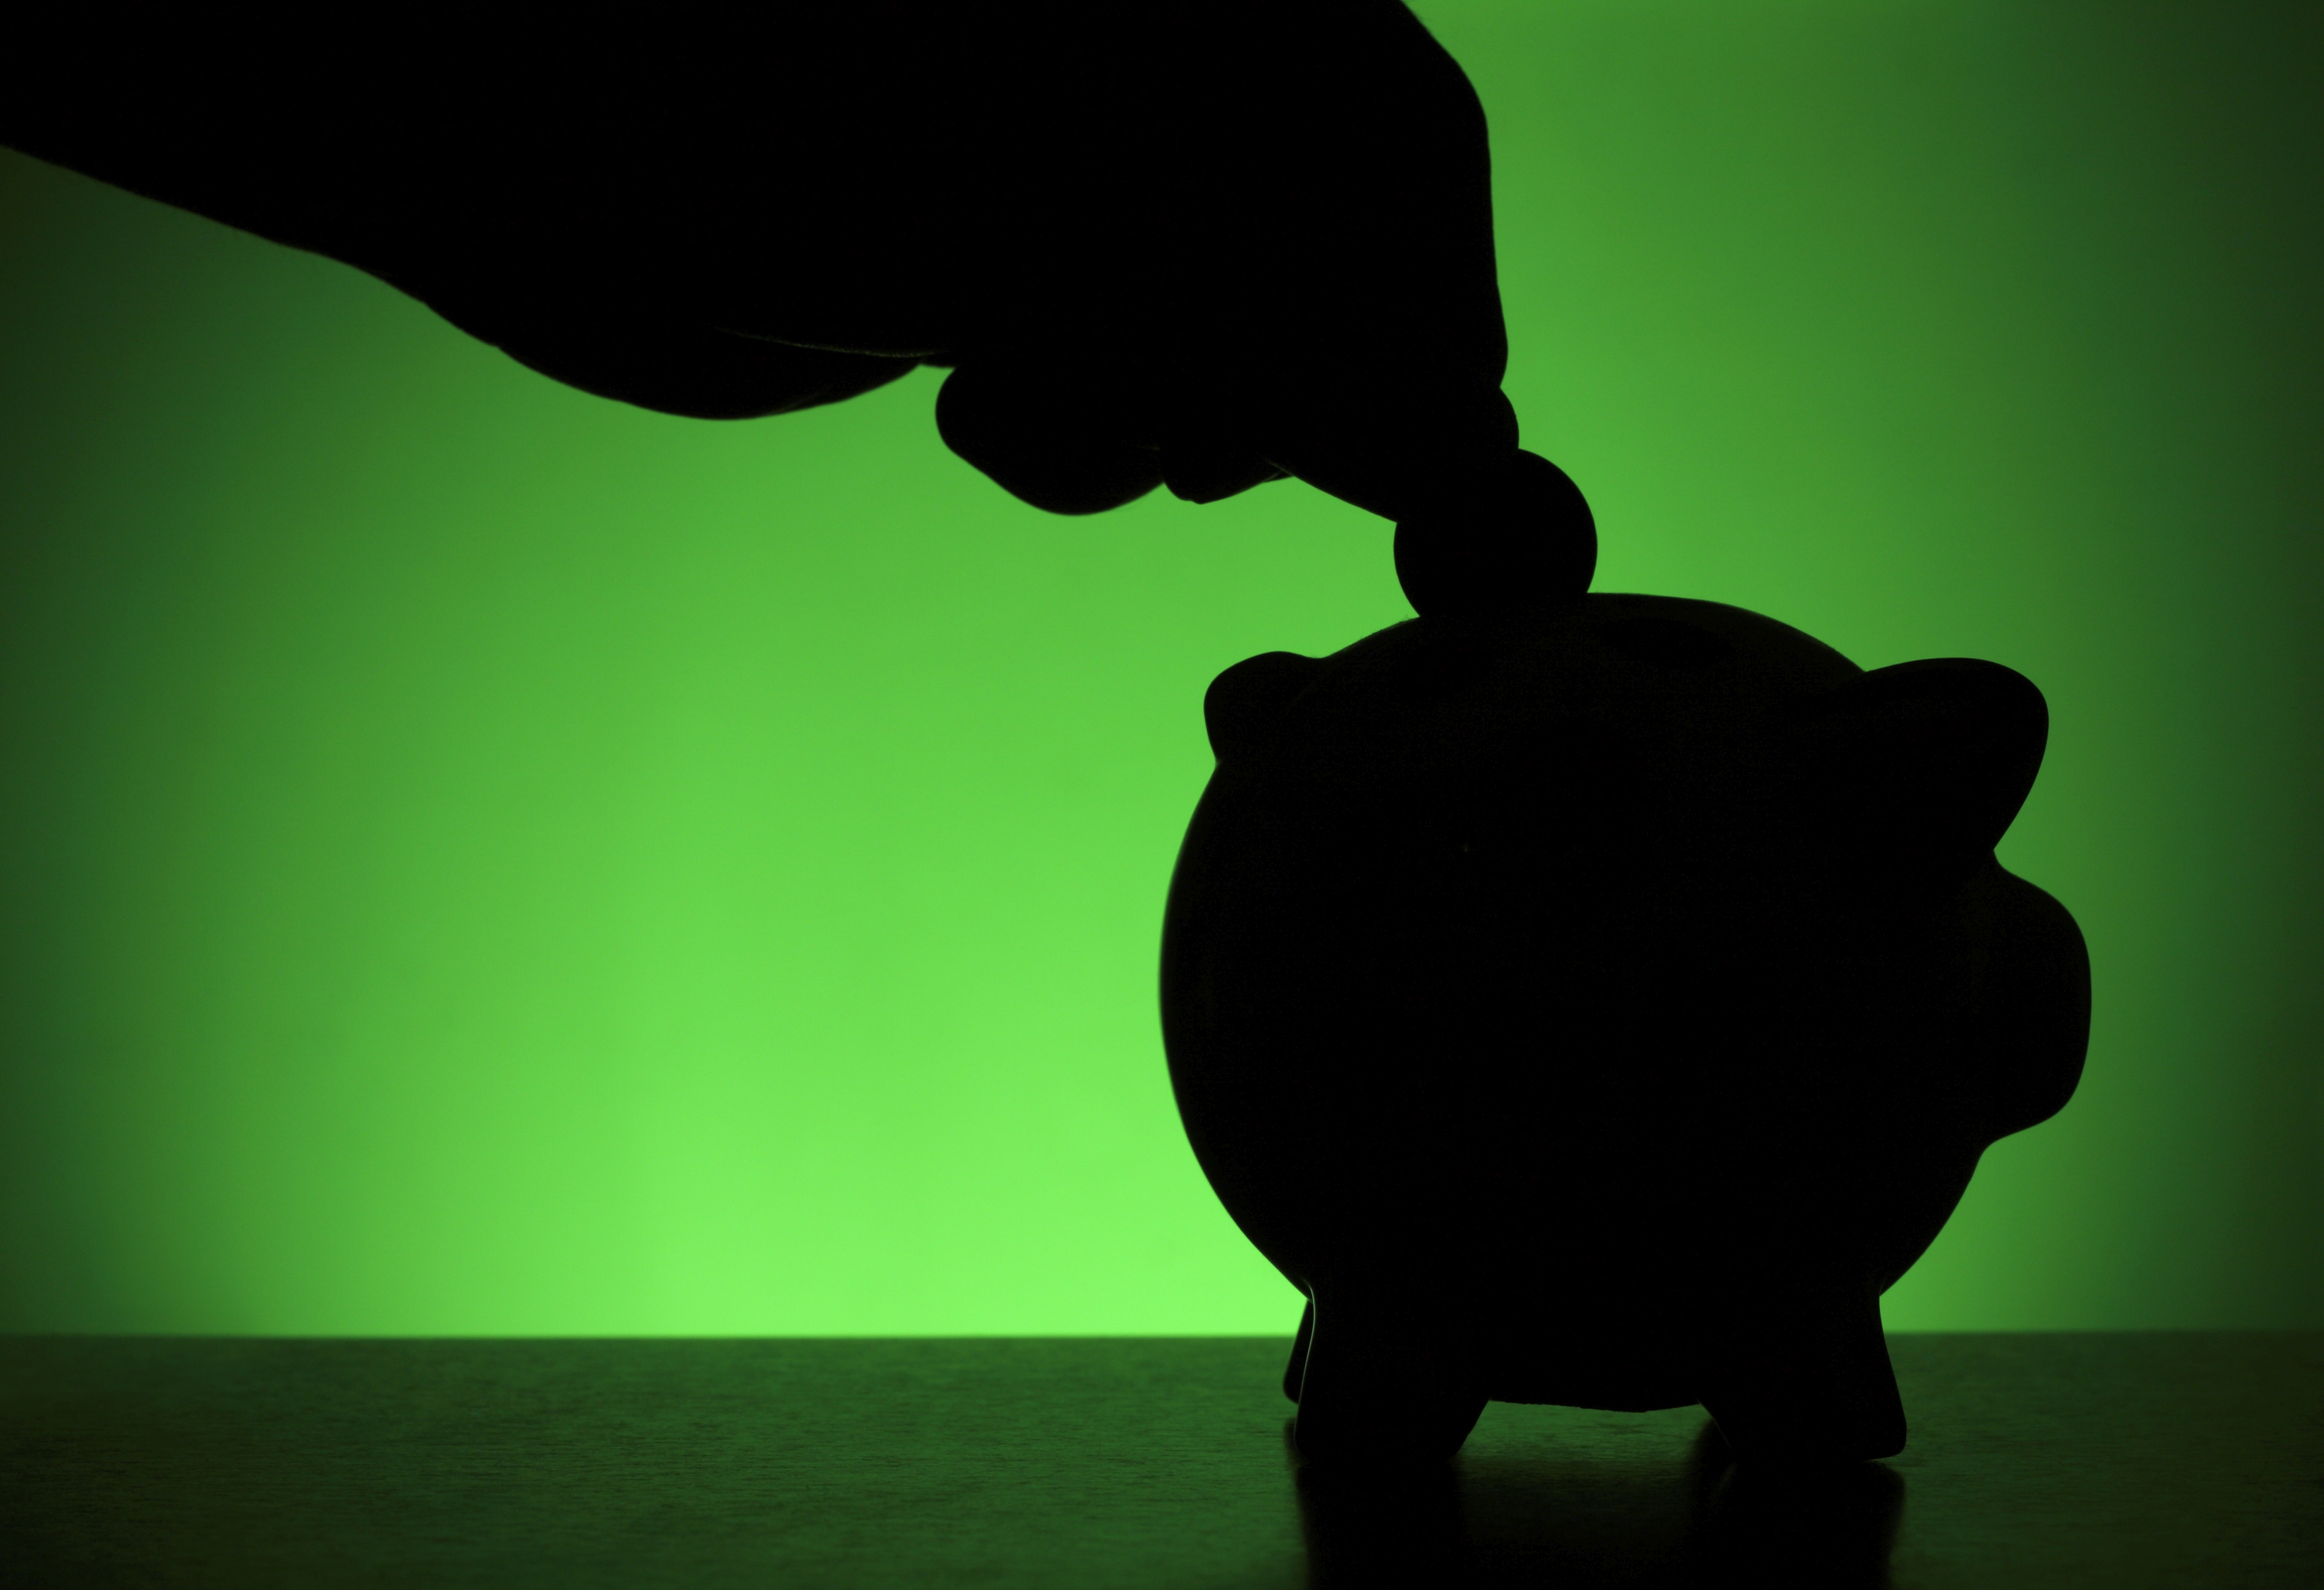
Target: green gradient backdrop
[482, 859]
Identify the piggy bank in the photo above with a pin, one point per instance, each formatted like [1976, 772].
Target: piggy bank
[1604, 1004]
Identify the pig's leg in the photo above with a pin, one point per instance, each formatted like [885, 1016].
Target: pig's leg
[1383, 1381]
[1296, 1372]
[1800, 1371]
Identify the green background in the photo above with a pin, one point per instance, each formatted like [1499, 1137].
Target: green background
[479, 858]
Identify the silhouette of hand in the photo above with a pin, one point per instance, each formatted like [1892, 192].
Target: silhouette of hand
[1203, 243]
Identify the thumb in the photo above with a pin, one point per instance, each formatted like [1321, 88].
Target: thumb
[625, 346]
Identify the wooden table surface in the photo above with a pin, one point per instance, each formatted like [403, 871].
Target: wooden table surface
[2191, 1461]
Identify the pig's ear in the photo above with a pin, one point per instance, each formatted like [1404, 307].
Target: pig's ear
[1924, 763]
[1242, 702]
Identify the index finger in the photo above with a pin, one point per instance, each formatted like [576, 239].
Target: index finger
[1333, 224]
[1344, 317]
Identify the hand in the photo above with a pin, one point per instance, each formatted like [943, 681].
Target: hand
[1204, 244]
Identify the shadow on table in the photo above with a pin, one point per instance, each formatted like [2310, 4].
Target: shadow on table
[1509, 1520]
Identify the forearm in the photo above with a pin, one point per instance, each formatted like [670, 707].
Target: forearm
[352, 126]
[297, 138]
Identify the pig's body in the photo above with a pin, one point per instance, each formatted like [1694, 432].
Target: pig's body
[1605, 1007]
